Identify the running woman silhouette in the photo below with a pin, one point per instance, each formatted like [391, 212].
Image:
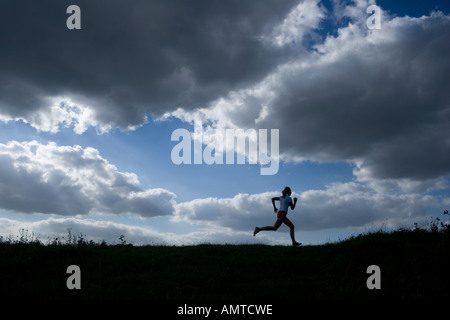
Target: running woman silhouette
[285, 203]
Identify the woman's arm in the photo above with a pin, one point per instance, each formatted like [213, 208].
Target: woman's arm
[273, 203]
[293, 204]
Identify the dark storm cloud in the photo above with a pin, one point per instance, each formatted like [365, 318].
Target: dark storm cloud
[132, 58]
[382, 100]
[377, 98]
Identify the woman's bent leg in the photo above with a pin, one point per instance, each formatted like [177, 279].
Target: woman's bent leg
[269, 228]
[292, 231]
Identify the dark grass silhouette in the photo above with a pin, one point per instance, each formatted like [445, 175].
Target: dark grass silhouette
[414, 264]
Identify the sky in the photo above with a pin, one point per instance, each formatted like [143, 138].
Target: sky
[114, 118]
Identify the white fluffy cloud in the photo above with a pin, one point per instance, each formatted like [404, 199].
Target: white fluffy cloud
[340, 205]
[72, 180]
[304, 18]
[240, 212]
[60, 113]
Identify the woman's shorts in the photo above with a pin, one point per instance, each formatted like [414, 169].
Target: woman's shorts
[281, 214]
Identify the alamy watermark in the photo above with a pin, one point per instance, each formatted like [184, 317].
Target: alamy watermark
[374, 280]
[374, 21]
[74, 280]
[248, 145]
[74, 20]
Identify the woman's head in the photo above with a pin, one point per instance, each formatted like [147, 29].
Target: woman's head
[286, 191]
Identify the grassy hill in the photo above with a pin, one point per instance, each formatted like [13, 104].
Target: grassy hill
[414, 264]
